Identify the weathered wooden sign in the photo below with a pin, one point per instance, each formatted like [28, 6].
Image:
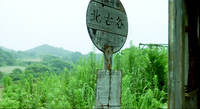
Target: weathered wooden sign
[108, 91]
[107, 24]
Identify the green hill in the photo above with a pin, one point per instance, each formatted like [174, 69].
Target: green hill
[39, 51]
[7, 49]
[47, 49]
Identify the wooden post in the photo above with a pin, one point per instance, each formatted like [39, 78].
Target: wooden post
[176, 88]
[108, 54]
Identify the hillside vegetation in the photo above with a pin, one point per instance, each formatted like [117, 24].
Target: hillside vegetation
[22, 58]
[144, 81]
[7, 58]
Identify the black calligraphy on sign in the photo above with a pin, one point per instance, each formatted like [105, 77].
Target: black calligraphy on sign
[120, 23]
[108, 18]
[96, 15]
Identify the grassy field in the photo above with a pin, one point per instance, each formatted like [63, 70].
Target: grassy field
[33, 60]
[8, 69]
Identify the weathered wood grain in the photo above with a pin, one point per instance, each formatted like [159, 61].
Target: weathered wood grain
[107, 24]
[108, 91]
[176, 98]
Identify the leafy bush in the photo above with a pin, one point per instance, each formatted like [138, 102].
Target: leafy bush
[15, 75]
[157, 64]
[56, 64]
[7, 58]
[1, 75]
[35, 69]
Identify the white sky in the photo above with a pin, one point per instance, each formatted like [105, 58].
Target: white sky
[25, 24]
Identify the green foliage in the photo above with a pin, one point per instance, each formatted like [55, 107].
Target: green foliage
[75, 88]
[47, 58]
[7, 58]
[20, 62]
[17, 71]
[35, 69]
[15, 75]
[1, 75]
[8, 103]
[75, 56]
[55, 63]
[157, 65]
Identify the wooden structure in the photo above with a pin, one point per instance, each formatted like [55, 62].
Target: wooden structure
[107, 25]
[184, 54]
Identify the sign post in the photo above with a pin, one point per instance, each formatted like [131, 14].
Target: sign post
[107, 26]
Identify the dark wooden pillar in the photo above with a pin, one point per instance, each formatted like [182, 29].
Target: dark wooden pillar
[176, 98]
[192, 44]
[184, 54]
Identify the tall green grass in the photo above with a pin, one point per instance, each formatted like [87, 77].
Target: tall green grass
[75, 88]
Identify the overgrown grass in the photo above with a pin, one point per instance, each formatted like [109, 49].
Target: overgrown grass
[76, 88]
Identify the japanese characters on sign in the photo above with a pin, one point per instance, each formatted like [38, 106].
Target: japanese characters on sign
[107, 24]
[109, 20]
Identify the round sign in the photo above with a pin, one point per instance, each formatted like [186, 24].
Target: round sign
[107, 24]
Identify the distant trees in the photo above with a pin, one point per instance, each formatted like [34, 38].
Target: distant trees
[37, 68]
[75, 56]
[56, 64]
[7, 58]
[1, 75]
[60, 64]
[15, 75]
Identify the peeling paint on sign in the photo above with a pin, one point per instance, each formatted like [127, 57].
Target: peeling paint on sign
[108, 91]
[107, 24]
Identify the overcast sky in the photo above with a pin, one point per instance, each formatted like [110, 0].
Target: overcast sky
[25, 24]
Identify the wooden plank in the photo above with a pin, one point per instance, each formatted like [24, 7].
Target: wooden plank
[116, 83]
[176, 98]
[189, 94]
[108, 91]
[102, 88]
[171, 76]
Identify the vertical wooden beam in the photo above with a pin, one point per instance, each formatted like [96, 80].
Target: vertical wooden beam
[176, 98]
[108, 55]
[198, 49]
[193, 44]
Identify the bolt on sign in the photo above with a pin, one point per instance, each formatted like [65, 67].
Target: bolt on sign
[107, 25]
